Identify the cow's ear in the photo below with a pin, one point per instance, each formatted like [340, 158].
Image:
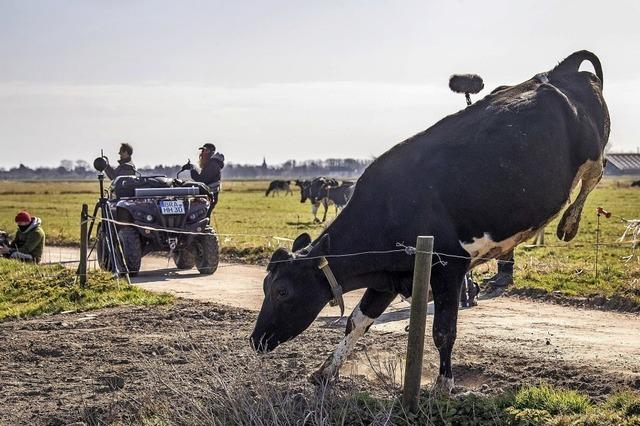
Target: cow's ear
[321, 247]
[301, 242]
[278, 256]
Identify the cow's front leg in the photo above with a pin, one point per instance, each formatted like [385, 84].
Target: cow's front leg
[314, 210]
[446, 295]
[568, 225]
[371, 306]
[325, 203]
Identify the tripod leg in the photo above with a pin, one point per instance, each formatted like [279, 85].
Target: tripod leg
[95, 212]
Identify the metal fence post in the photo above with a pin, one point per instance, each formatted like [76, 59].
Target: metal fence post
[417, 322]
[84, 244]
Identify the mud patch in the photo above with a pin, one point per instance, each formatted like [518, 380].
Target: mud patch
[62, 369]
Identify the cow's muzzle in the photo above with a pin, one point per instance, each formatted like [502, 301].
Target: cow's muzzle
[263, 343]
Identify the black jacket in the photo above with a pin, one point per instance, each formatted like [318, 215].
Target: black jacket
[211, 173]
[125, 168]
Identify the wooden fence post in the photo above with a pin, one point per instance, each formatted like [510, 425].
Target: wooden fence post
[417, 322]
[84, 244]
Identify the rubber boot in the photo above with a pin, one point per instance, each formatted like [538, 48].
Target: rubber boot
[498, 284]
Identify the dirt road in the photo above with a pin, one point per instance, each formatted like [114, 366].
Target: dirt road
[512, 326]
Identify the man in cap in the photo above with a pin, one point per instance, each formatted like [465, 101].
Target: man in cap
[125, 165]
[211, 164]
[28, 244]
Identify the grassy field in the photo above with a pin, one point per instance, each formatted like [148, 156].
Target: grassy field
[253, 219]
[30, 290]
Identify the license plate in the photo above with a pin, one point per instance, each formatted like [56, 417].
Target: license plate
[172, 207]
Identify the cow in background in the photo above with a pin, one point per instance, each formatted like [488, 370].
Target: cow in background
[279, 185]
[324, 191]
[335, 195]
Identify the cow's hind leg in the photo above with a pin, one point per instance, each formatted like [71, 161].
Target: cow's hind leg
[445, 282]
[591, 173]
[371, 306]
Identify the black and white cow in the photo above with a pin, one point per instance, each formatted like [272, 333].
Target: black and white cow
[279, 185]
[318, 190]
[337, 196]
[480, 181]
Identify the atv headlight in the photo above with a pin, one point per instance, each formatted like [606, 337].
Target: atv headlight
[149, 218]
[192, 216]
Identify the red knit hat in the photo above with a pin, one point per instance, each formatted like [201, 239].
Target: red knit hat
[23, 216]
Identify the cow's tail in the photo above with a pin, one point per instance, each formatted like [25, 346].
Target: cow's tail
[572, 63]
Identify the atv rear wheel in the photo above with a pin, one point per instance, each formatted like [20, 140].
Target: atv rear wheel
[206, 253]
[131, 249]
[184, 259]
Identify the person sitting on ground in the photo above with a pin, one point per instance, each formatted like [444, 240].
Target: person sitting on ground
[125, 165]
[28, 244]
[211, 164]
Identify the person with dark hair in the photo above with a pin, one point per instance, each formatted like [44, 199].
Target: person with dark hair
[210, 173]
[28, 244]
[125, 165]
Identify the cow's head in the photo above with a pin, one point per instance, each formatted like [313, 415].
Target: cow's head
[304, 189]
[295, 291]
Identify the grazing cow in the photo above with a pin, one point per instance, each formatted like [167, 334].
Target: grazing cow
[279, 185]
[635, 183]
[315, 191]
[480, 181]
[336, 195]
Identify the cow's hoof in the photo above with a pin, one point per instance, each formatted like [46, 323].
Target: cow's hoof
[568, 226]
[443, 385]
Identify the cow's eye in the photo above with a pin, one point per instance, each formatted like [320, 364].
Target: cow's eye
[282, 293]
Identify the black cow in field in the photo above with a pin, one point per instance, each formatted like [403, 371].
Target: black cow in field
[324, 191]
[279, 185]
[480, 181]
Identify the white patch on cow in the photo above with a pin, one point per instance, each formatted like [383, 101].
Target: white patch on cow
[359, 325]
[485, 248]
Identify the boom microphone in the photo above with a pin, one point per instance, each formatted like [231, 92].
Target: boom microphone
[466, 83]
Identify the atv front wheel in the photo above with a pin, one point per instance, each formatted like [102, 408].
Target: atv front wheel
[184, 259]
[206, 253]
[131, 249]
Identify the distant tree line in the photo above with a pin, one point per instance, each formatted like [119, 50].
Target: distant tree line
[291, 169]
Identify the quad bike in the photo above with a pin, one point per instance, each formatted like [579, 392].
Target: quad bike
[145, 214]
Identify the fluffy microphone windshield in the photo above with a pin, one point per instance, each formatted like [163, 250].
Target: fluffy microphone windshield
[466, 83]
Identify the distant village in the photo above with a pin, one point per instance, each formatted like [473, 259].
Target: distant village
[81, 169]
[623, 164]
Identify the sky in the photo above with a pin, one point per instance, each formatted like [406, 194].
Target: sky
[281, 79]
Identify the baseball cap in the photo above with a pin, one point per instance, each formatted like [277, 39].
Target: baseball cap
[209, 146]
